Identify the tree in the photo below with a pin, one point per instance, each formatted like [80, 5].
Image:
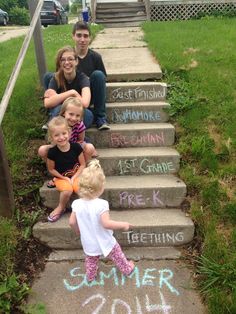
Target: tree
[6, 5]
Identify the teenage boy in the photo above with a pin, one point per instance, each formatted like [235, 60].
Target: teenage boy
[90, 63]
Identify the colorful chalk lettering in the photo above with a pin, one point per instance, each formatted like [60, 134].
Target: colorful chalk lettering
[133, 200]
[144, 166]
[120, 140]
[120, 94]
[151, 277]
[128, 115]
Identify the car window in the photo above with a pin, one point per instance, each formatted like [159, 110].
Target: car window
[48, 5]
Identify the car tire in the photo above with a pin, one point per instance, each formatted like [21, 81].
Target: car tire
[4, 21]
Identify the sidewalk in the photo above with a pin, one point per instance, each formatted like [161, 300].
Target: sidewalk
[160, 283]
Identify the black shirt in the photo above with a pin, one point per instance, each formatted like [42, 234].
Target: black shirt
[66, 163]
[91, 62]
[80, 81]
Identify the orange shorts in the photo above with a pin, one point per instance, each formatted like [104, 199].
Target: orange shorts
[64, 185]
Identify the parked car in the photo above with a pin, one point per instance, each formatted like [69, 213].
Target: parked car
[53, 13]
[4, 17]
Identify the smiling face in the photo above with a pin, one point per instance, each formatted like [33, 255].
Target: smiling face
[68, 62]
[60, 136]
[73, 114]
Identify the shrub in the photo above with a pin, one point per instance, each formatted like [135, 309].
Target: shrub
[19, 16]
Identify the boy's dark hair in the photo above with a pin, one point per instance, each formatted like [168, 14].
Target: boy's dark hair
[81, 26]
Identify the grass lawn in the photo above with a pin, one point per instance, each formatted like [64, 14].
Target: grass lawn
[198, 58]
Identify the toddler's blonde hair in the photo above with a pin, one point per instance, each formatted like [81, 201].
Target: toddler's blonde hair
[91, 180]
[54, 123]
[72, 101]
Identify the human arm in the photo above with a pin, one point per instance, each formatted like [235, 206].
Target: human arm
[107, 223]
[52, 98]
[85, 96]
[73, 223]
[53, 171]
[81, 137]
[82, 163]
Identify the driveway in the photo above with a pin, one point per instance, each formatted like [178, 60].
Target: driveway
[7, 33]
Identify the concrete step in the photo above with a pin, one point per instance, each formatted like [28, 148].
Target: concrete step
[149, 191]
[119, 5]
[121, 18]
[151, 228]
[133, 253]
[147, 112]
[125, 192]
[120, 11]
[136, 92]
[136, 161]
[123, 24]
[133, 135]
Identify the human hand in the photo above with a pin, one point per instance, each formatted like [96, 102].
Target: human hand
[67, 179]
[74, 93]
[126, 226]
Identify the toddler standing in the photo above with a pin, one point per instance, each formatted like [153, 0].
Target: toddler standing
[90, 218]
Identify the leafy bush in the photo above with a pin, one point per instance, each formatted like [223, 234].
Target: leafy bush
[12, 292]
[19, 16]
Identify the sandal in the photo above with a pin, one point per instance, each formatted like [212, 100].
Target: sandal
[55, 217]
[51, 184]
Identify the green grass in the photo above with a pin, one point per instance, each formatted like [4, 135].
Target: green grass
[198, 59]
[22, 124]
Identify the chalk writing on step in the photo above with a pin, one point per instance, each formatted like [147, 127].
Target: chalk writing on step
[144, 166]
[154, 238]
[132, 200]
[129, 115]
[120, 94]
[120, 140]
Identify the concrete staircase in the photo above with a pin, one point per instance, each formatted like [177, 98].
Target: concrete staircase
[141, 169]
[120, 14]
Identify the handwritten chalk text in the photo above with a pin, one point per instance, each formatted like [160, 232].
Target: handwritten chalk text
[137, 93]
[150, 277]
[154, 238]
[138, 200]
[145, 166]
[128, 115]
[120, 140]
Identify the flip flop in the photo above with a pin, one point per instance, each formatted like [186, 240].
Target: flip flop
[51, 184]
[54, 218]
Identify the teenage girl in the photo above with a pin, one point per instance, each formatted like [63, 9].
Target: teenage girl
[68, 82]
[65, 162]
[90, 218]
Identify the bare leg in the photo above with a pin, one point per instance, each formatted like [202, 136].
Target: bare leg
[89, 151]
[63, 200]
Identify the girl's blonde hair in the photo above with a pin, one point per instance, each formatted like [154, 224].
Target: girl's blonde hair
[59, 75]
[54, 123]
[91, 180]
[72, 101]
